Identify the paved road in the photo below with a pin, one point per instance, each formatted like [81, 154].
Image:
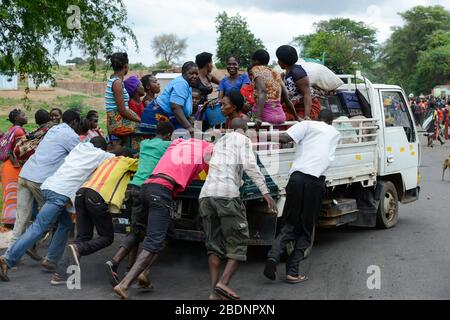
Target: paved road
[414, 258]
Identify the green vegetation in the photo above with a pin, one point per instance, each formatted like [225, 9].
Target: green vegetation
[229, 29]
[416, 56]
[345, 45]
[93, 26]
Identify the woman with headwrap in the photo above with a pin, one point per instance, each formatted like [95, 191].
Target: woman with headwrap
[135, 90]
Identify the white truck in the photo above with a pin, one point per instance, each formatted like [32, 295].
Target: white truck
[376, 166]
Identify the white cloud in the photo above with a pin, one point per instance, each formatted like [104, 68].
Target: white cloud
[195, 21]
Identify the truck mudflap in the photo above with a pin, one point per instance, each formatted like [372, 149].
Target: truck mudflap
[411, 195]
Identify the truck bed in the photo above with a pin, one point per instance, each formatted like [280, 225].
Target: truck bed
[355, 161]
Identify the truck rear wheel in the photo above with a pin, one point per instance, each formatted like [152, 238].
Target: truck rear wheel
[387, 214]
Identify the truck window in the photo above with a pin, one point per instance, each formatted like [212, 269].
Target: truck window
[396, 113]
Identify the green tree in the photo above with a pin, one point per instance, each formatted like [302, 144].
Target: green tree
[78, 61]
[28, 27]
[344, 44]
[432, 66]
[235, 37]
[162, 65]
[169, 47]
[424, 27]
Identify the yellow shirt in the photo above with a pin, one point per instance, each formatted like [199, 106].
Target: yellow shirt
[111, 179]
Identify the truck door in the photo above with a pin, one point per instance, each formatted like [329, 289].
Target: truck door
[400, 138]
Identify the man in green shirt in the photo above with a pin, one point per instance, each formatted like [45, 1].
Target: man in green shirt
[150, 152]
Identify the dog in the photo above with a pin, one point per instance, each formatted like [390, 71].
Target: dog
[446, 166]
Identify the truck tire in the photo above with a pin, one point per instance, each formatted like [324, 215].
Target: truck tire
[387, 214]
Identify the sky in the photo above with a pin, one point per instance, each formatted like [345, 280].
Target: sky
[275, 22]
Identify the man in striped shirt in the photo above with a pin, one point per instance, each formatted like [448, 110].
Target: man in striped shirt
[222, 211]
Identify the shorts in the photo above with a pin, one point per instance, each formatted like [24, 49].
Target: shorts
[225, 226]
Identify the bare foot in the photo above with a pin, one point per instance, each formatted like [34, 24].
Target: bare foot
[121, 292]
[144, 282]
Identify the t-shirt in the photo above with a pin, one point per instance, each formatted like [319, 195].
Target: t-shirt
[76, 169]
[179, 92]
[227, 85]
[183, 161]
[297, 73]
[110, 180]
[50, 153]
[150, 153]
[137, 108]
[316, 144]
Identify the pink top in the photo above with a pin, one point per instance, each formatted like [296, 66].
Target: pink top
[183, 161]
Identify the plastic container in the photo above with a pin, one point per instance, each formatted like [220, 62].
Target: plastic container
[214, 115]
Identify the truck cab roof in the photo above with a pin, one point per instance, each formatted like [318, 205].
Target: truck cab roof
[385, 86]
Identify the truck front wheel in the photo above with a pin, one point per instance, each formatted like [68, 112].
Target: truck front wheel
[387, 214]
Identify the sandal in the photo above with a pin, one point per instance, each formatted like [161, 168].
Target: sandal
[222, 292]
[297, 279]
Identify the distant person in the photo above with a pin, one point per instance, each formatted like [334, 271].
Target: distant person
[222, 210]
[85, 126]
[298, 86]
[94, 129]
[26, 145]
[120, 120]
[56, 115]
[152, 88]
[175, 103]
[136, 91]
[234, 81]
[196, 106]
[316, 143]
[11, 168]
[232, 107]
[270, 92]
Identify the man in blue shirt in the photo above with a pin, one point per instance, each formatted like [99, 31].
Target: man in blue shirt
[49, 155]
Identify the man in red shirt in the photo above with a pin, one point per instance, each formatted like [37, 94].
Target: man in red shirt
[182, 163]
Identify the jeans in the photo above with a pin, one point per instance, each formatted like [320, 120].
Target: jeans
[27, 193]
[158, 199]
[92, 211]
[54, 210]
